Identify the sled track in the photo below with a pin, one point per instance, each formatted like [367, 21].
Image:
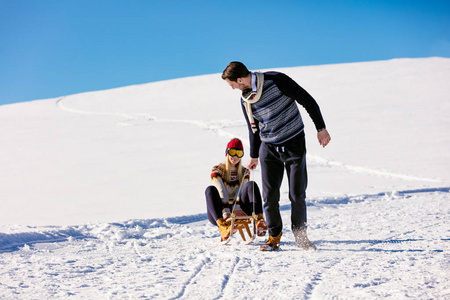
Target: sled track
[134, 119]
[188, 283]
[227, 277]
[318, 278]
[221, 128]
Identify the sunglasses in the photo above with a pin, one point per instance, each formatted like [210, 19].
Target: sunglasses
[235, 152]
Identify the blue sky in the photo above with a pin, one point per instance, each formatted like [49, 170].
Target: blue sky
[51, 48]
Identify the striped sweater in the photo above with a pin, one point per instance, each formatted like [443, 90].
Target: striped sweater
[276, 113]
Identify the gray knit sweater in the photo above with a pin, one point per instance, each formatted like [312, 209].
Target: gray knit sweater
[276, 113]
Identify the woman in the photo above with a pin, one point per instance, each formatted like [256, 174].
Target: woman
[230, 189]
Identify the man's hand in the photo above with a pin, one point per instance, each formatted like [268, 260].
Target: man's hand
[324, 137]
[252, 164]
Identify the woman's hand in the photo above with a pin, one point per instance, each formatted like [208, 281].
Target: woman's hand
[226, 215]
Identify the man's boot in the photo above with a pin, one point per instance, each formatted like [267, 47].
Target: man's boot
[302, 241]
[272, 244]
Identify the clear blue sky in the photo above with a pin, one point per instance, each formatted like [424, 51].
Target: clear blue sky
[51, 48]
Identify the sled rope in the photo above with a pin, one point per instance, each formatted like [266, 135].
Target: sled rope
[237, 197]
[242, 222]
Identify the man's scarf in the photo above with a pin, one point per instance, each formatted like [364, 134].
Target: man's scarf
[253, 97]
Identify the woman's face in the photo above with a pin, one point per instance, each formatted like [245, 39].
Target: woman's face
[233, 160]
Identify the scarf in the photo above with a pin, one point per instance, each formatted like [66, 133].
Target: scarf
[253, 97]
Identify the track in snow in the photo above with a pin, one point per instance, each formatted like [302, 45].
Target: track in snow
[221, 128]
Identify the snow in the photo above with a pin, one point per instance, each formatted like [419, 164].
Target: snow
[103, 192]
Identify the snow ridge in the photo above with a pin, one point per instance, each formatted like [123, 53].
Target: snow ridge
[160, 228]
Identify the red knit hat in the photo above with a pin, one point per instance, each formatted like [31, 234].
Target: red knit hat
[235, 144]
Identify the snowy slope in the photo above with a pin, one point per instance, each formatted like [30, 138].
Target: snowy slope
[102, 192]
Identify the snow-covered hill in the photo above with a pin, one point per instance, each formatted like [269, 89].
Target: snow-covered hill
[102, 192]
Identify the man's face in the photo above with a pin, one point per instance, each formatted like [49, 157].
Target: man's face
[239, 84]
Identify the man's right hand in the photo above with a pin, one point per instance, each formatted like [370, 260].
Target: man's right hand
[252, 164]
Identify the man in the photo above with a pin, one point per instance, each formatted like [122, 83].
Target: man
[269, 103]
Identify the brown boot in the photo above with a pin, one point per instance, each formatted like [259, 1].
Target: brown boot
[272, 244]
[301, 239]
[261, 225]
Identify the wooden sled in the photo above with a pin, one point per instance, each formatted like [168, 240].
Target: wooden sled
[242, 223]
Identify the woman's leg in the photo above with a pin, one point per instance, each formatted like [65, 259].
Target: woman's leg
[213, 204]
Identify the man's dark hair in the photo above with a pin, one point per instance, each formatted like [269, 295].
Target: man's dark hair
[235, 70]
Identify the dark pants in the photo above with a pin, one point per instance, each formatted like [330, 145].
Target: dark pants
[274, 159]
[214, 204]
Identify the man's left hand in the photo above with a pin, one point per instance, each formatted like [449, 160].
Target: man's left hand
[324, 137]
